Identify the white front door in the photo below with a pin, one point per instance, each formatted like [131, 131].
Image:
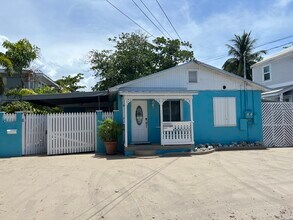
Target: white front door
[139, 121]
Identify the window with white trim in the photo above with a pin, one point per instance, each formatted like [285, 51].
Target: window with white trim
[224, 111]
[192, 76]
[266, 73]
[172, 110]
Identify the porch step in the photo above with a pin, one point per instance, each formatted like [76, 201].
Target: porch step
[145, 152]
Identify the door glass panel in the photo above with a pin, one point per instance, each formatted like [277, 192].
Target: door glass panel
[139, 115]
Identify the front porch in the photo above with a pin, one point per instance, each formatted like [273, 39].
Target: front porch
[171, 124]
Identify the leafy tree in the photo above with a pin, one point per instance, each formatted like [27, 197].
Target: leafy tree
[242, 46]
[21, 54]
[134, 56]
[70, 83]
[17, 57]
[6, 63]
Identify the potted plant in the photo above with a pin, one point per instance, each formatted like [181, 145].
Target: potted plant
[109, 131]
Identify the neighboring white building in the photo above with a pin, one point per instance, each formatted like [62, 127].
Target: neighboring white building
[276, 72]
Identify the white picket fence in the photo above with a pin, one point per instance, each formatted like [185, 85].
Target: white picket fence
[35, 139]
[106, 115]
[8, 117]
[277, 120]
[71, 133]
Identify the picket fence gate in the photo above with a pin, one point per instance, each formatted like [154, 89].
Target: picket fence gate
[277, 120]
[34, 136]
[71, 133]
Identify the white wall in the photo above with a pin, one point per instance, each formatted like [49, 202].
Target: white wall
[281, 72]
[178, 78]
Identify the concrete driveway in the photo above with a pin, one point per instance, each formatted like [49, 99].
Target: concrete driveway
[221, 185]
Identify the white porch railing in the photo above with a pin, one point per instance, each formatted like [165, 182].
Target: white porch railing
[177, 133]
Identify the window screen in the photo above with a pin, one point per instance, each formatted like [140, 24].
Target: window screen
[192, 76]
[171, 111]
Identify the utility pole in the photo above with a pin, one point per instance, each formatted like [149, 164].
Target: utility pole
[244, 64]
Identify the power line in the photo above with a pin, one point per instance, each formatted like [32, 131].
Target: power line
[274, 41]
[280, 45]
[130, 18]
[218, 58]
[156, 18]
[148, 17]
[266, 43]
[169, 20]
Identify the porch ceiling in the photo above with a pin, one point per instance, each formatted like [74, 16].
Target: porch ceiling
[155, 94]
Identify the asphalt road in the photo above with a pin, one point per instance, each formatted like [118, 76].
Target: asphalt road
[221, 185]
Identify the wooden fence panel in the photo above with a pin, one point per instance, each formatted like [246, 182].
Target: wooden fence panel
[35, 134]
[277, 118]
[71, 133]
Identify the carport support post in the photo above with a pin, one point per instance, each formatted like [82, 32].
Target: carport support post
[117, 117]
[100, 149]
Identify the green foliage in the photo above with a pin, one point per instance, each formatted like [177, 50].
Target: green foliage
[6, 63]
[48, 90]
[20, 54]
[2, 86]
[243, 46]
[134, 56]
[109, 130]
[70, 83]
[17, 92]
[27, 107]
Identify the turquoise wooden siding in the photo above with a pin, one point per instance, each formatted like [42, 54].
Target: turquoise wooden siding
[11, 144]
[204, 130]
[100, 144]
[186, 111]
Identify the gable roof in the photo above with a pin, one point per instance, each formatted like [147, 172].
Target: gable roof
[282, 53]
[277, 91]
[220, 71]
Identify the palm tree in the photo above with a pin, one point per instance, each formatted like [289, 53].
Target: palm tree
[241, 48]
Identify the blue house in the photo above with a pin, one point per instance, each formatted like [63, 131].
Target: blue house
[192, 103]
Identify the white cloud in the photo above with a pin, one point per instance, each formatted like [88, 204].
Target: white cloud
[2, 39]
[283, 3]
[210, 35]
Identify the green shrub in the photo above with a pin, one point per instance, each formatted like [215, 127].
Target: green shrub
[109, 130]
[11, 107]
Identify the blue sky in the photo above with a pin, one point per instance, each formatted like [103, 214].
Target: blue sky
[66, 30]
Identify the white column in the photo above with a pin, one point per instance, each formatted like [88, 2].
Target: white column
[125, 123]
[191, 119]
[161, 120]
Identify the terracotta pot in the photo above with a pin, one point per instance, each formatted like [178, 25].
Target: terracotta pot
[111, 147]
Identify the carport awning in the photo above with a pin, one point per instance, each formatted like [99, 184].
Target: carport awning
[68, 98]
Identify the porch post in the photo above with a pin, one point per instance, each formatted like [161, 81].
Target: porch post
[161, 119]
[191, 119]
[126, 101]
